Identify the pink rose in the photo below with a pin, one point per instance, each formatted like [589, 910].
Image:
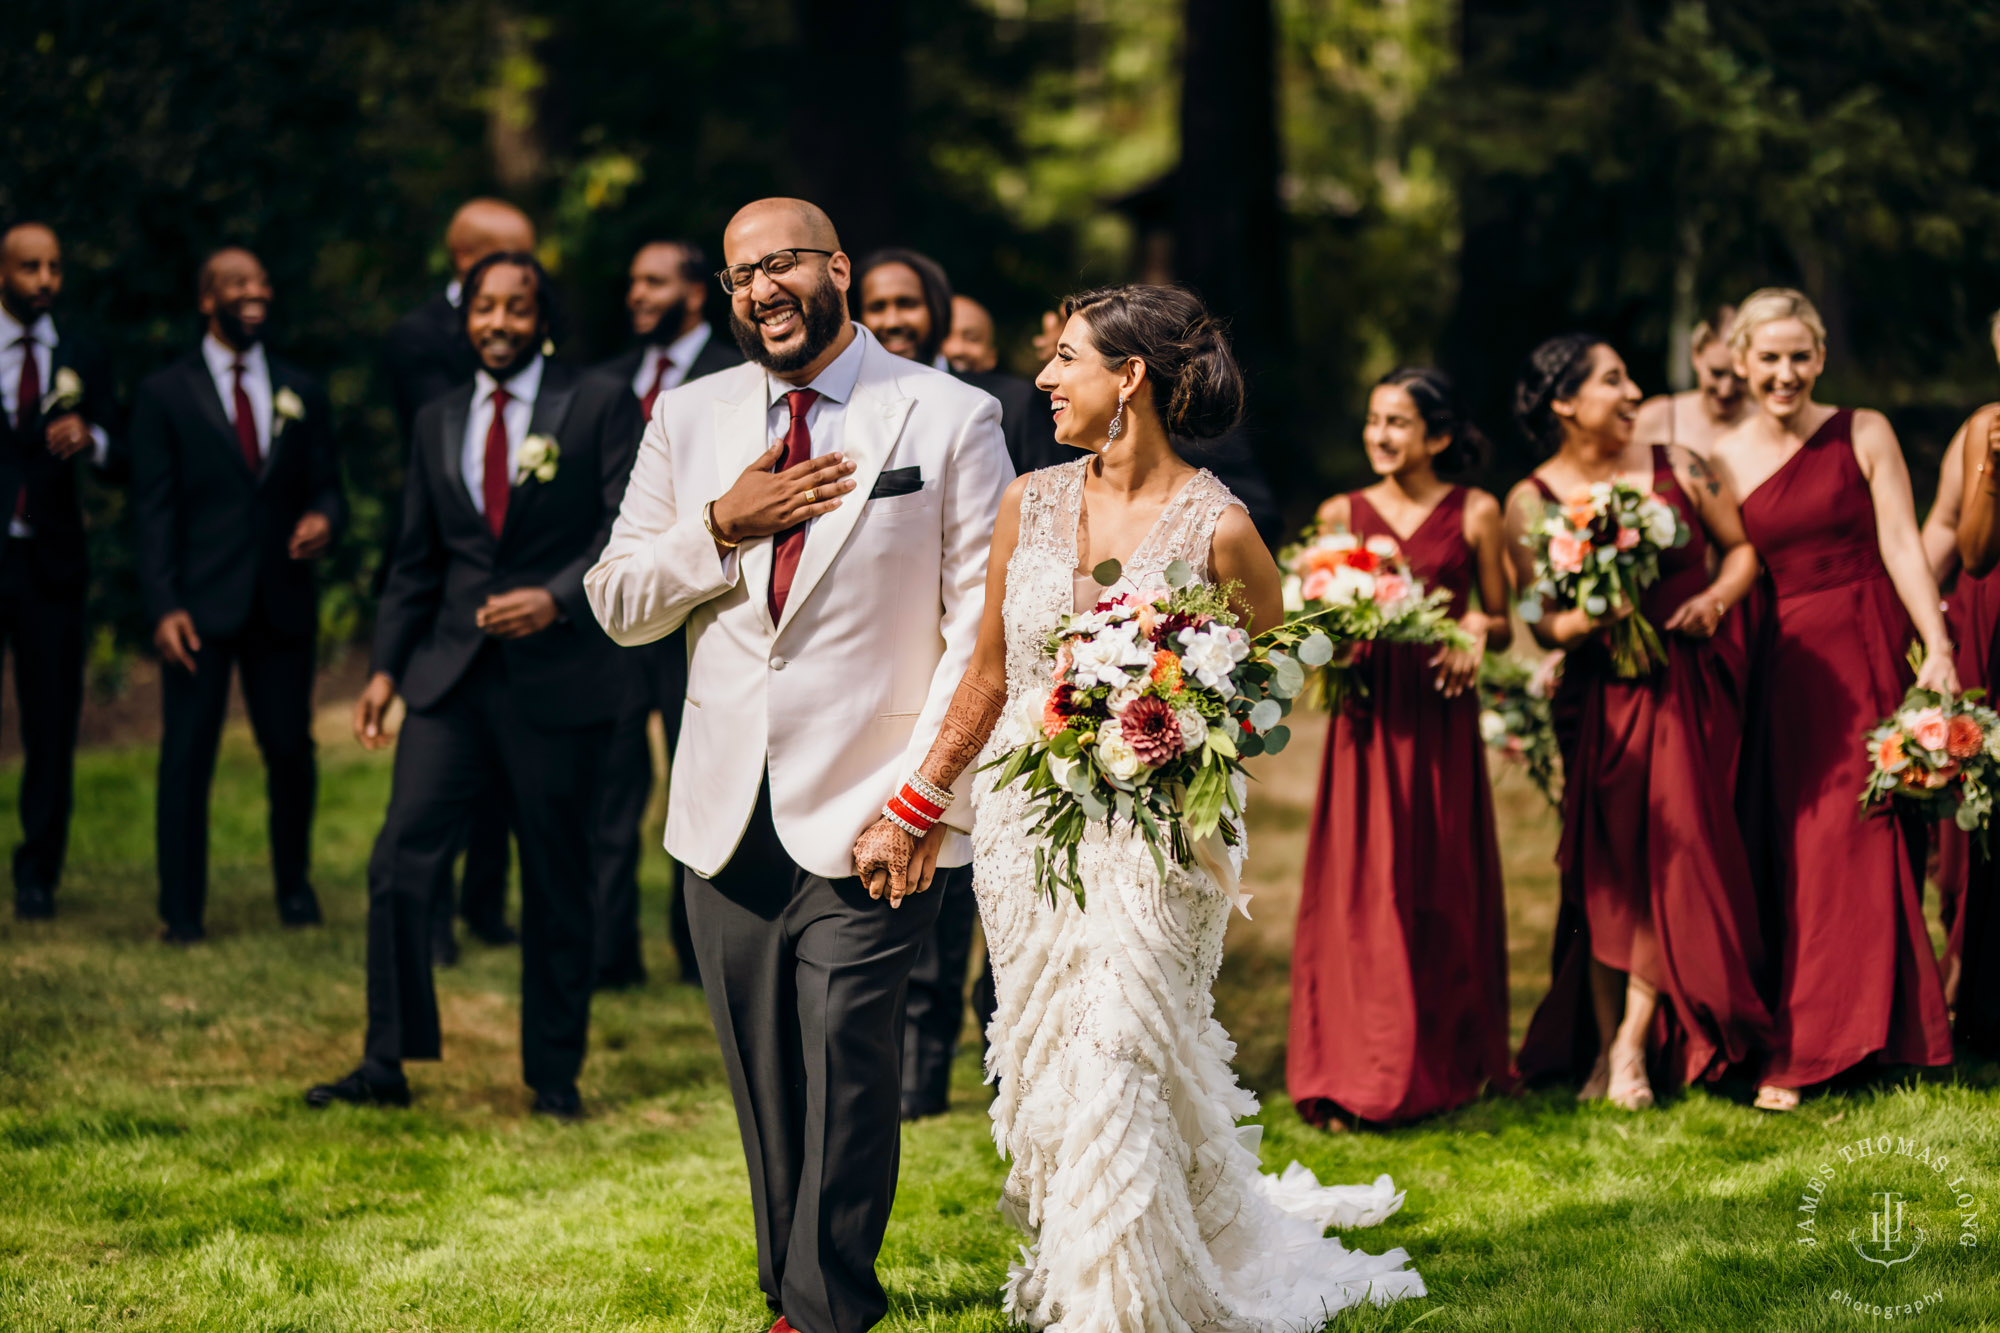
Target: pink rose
[1566, 553]
[1929, 728]
[1317, 585]
[1390, 589]
[1627, 538]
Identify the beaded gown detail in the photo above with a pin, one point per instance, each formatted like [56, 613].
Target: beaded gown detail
[1145, 1203]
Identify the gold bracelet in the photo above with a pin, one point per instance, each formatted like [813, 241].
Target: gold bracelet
[708, 521]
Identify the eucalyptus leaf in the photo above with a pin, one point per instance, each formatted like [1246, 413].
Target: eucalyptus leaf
[1266, 714]
[1316, 650]
[1079, 779]
[1178, 574]
[1530, 609]
[1107, 573]
[1093, 804]
[1277, 739]
[1595, 606]
[1251, 745]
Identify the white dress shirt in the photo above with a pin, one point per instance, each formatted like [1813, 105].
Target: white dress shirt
[221, 359]
[680, 354]
[522, 386]
[40, 338]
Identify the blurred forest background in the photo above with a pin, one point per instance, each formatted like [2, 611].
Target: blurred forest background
[1356, 183]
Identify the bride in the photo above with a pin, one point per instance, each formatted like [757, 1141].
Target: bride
[1117, 1109]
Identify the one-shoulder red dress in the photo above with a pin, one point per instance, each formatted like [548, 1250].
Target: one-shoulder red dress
[1655, 878]
[1856, 974]
[1399, 968]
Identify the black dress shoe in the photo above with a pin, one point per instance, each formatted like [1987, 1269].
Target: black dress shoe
[922, 1110]
[182, 933]
[358, 1090]
[632, 976]
[34, 902]
[492, 932]
[558, 1104]
[301, 909]
[444, 950]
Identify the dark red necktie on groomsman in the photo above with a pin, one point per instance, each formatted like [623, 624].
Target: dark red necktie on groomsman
[246, 424]
[786, 546]
[653, 394]
[27, 404]
[495, 485]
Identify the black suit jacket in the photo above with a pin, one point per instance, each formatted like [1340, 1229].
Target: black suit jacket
[425, 356]
[1024, 419]
[213, 534]
[58, 557]
[719, 353]
[448, 561]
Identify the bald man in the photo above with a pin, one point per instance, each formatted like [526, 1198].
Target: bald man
[56, 409]
[819, 520]
[425, 356]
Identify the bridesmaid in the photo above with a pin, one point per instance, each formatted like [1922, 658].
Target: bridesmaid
[1827, 502]
[1976, 932]
[1399, 968]
[1658, 948]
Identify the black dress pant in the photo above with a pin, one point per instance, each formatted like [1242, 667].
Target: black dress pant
[936, 1009]
[805, 979]
[445, 759]
[45, 630]
[482, 894]
[660, 683]
[277, 672]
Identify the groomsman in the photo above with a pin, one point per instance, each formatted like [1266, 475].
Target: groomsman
[513, 483]
[235, 489]
[56, 406]
[426, 356]
[672, 343]
[906, 302]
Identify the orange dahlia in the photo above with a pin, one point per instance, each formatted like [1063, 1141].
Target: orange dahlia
[1167, 670]
[1964, 739]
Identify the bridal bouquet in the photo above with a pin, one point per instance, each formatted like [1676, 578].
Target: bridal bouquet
[1939, 753]
[1601, 550]
[1155, 699]
[1514, 717]
[1359, 592]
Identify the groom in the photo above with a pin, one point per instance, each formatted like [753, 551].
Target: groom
[819, 519]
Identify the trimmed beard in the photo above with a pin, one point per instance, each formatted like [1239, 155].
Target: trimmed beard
[240, 336]
[669, 327]
[822, 312]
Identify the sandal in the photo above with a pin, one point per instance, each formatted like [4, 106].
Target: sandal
[1630, 1090]
[1599, 1081]
[1771, 1097]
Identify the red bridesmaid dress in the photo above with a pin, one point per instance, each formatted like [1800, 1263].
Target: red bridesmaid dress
[1975, 925]
[1856, 975]
[1655, 879]
[1974, 617]
[1399, 968]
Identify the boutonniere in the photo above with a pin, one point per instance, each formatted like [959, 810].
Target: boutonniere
[287, 406]
[65, 395]
[537, 459]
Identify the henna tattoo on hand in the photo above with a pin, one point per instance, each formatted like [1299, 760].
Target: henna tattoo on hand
[883, 847]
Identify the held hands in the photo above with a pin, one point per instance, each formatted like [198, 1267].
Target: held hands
[1698, 617]
[1459, 667]
[311, 537]
[763, 502]
[176, 640]
[69, 435]
[371, 708]
[890, 862]
[517, 614]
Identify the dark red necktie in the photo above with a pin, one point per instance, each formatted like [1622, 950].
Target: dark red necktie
[786, 547]
[652, 394]
[496, 485]
[246, 424]
[27, 406]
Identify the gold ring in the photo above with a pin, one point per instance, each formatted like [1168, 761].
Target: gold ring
[812, 495]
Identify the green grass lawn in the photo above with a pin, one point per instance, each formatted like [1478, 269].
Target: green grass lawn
[158, 1169]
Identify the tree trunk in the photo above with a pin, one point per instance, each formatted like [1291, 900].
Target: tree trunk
[850, 96]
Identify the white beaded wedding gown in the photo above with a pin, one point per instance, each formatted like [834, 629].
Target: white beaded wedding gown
[1145, 1204]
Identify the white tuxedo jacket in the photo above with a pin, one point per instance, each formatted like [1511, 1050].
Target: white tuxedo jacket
[841, 699]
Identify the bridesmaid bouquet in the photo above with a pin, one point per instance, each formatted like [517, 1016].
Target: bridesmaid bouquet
[1601, 550]
[1156, 697]
[1939, 753]
[1358, 592]
[1514, 717]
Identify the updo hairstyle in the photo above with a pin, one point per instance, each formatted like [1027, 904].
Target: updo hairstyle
[1197, 386]
[1437, 403]
[1555, 370]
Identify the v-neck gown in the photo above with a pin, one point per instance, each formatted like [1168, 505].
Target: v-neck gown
[1857, 977]
[1655, 878]
[1399, 964]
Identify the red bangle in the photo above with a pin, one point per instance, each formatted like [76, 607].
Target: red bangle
[900, 810]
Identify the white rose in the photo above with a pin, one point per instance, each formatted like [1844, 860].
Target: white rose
[1122, 697]
[289, 405]
[1117, 756]
[1382, 546]
[1194, 728]
[1339, 541]
[538, 458]
[1492, 727]
[1350, 585]
[1661, 525]
[1023, 722]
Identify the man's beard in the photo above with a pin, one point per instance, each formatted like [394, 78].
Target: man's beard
[823, 313]
[668, 327]
[239, 335]
[524, 352]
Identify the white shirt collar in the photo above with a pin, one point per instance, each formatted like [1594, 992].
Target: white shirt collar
[683, 350]
[43, 330]
[220, 357]
[454, 291]
[522, 386]
[836, 381]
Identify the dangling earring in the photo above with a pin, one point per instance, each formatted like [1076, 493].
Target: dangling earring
[1117, 426]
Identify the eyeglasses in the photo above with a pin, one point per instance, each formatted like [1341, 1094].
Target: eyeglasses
[775, 265]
